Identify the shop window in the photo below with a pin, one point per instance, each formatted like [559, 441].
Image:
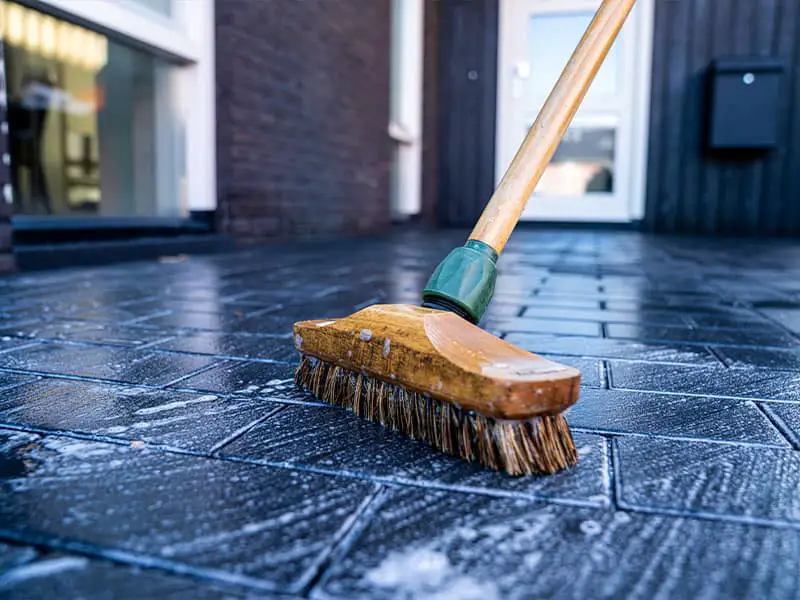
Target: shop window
[92, 126]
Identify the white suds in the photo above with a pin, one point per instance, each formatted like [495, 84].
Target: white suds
[42, 568]
[427, 574]
[172, 405]
[325, 323]
[298, 341]
[365, 335]
[387, 344]
[591, 527]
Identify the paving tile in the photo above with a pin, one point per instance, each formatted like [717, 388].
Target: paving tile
[278, 348]
[607, 348]
[582, 328]
[13, 556]
[728, 321]
[755, 384]
[271, 324]
[82, 331]
[748, 337]
[617, 411]
[182, 420]
[116, 364]
[745, 358]
[8, 344]
[607, 316]
[8, 380]
[72, 576]
[440, 545]
[336, 439]
[788, 317]
[214, 516]
[745, 482]
[591, 370]
[240, 377]
[788, 418]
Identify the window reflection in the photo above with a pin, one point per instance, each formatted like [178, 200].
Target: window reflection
[582, 164]
[552, 40]
[87, 119]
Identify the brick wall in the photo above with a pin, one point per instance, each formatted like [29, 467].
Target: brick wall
[302, 113]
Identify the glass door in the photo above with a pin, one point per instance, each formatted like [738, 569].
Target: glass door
[591, 176]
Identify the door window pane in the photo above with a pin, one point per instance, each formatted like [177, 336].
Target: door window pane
[163, 7]
[552, 40]
[582, 164]
[91, 127]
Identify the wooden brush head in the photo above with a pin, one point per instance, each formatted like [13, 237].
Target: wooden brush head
[442, 355]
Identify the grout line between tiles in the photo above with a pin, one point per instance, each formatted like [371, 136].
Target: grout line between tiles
[134, 559]
[676, 438]
[243, 430]
[350, 531]
[778, 423]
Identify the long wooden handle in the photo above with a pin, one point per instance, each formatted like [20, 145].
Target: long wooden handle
[508, 201]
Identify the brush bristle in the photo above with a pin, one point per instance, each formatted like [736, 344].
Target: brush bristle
[542, 445]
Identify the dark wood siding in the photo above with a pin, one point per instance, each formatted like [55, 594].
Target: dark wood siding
[6, 256]
[467, 56]
[688, 189]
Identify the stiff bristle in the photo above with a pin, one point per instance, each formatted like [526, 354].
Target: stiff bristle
[542, 445]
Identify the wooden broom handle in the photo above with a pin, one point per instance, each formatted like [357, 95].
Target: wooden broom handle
[508, 201]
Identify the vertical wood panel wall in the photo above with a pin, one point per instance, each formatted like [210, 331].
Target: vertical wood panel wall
[7, 262]
[467, 55]
[687, 190]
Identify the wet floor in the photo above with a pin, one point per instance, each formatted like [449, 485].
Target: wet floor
[152, 443]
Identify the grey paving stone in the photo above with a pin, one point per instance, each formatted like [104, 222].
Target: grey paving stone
[8, 344]
[14, 556]
[607, 316]
[606, 348]
[242, 377]
[73, 576]
[755, 384]
[758, 338]
[787, 418]
[591, 370]
[582, 328]
[8, 380]
[745, 358]
[745, 482]
[178, 419]
[115, 364]
[82, 331]
[279, 348]
[261, 527]
[788, 317]
[440, 545]
[269, 323]
[336, 439]
[742, 320]
[617, 411]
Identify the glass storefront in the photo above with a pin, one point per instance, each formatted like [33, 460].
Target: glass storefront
[93, 130]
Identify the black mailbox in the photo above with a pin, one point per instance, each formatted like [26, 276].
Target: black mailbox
[744, 99]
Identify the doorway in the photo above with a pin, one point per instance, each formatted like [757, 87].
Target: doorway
[597, 174]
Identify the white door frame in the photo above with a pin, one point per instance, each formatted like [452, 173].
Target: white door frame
[186, 38]
[630, 179]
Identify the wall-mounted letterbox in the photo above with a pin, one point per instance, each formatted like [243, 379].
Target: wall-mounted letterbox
[744, 101]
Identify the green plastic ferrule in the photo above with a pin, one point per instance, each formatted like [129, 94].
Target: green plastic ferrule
[464, 280]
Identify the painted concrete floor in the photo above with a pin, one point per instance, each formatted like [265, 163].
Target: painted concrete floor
[152, 443]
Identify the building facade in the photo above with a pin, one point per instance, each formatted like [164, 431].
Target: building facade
[692, 125]
[134, 128]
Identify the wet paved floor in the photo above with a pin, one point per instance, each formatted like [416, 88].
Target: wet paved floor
[152, 443]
